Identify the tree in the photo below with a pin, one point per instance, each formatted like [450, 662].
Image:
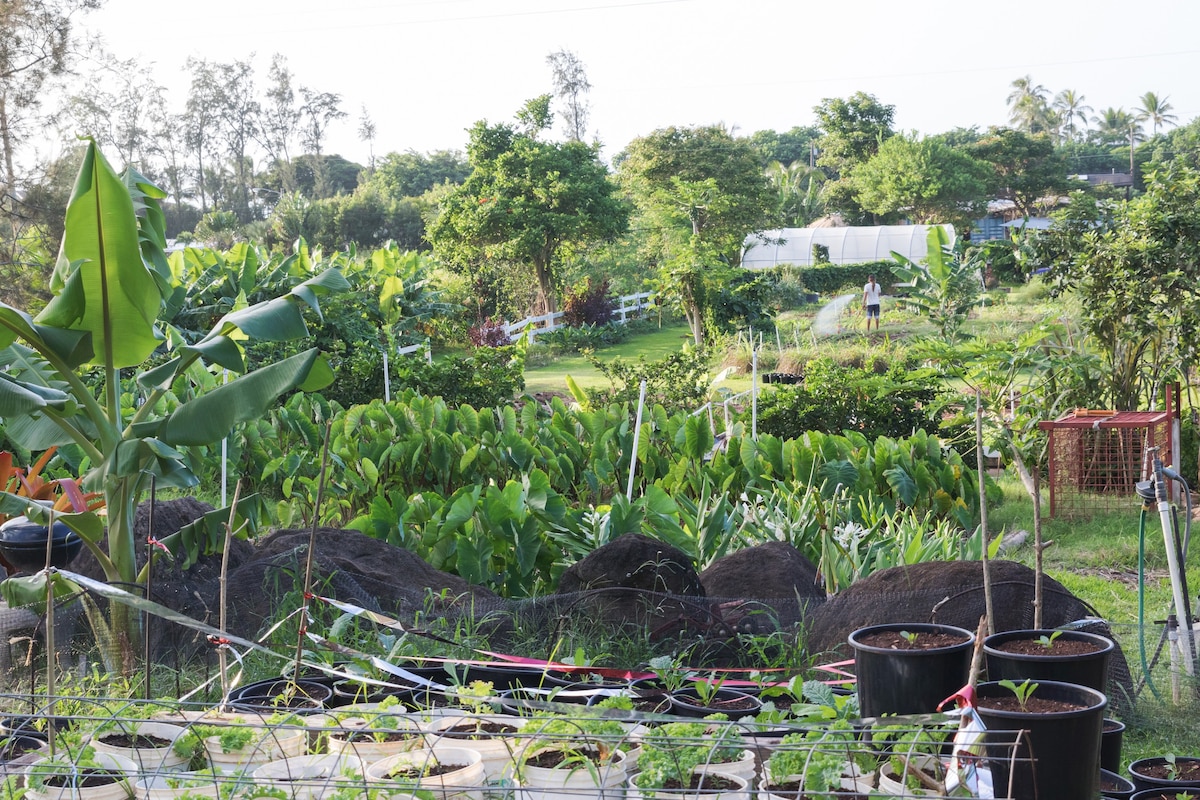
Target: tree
[1116, 126]
[236, 113]
[1027, 107]
[366, 133]
[570, 87]
[199, 131]
[799, 145]
[1157, 110]
[798, 187]
[922, 180]
[852, 131]
[650, 165]
[411, 174]
[1026, 169]
[37, 40]
[1138, 274]
[1070, 107]
[280, 122]
[317, 113]
[524, 201]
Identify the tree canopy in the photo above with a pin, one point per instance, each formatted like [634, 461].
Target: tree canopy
[923, 180]
[524, 200]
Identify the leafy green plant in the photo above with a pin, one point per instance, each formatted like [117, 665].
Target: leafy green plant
[109, 286]
[671, 752]
[944, 287]
[909, 637]
[1022, 691]
[819, 758]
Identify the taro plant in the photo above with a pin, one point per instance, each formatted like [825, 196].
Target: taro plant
[61, 376]
[1047, 640]
[1022, 691]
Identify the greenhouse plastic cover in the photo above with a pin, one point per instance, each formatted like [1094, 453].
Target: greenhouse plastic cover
[847, 245]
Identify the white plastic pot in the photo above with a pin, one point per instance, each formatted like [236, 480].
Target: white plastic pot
[498, 751]
[148, 759]
[311, 777]
[739, 792]
[464, 783]
[116, 790]
[573, 781]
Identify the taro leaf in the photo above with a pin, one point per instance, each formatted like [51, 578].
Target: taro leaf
[834, 473]
[902, 484]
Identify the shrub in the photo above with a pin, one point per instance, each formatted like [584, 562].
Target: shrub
[489, 333]
[588, 304]
[834, 398]
[678, 382]
[831, 278]
[489, 377]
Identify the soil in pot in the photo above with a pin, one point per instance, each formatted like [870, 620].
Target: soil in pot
[1164, 794]
[1159, 773]
[1049, 655]
[708, 782]
[734, 704]
[909, 668]
[1114, 787]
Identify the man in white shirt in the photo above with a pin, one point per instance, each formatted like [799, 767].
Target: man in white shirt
[871, 293]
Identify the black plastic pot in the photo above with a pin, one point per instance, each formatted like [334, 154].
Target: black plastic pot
[734, 704]
[1164, 794]
[17, 745]
[1054, 755]
[1089, 669]
[908, 681]
[1110, 745]
[301, 696]
[23, 545]
[578, 678]
[1114, 786]
[1143, 781]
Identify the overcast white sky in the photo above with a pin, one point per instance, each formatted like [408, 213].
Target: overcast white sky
[426, 70]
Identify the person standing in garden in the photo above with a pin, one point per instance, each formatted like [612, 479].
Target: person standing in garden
[871, 293]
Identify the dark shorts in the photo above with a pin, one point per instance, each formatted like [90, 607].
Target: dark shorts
[873, 311]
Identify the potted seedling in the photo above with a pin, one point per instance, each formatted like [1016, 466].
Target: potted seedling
[1052, 655]
[1166, 772]
[1046, 733]
[446, 773]
[374, 732]
[235, 742]
[816, 762]
[493, 736]
[690, 759]
[908, 668]
[76, 771]
[570, 756]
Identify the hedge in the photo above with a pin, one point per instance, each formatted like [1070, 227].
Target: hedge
[831, 278]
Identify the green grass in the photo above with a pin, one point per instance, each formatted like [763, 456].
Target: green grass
[552, 377]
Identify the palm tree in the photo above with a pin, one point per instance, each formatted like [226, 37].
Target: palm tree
[1118, 125]
[1157, 110]
[1070, 106]
[797, 186]
[1027, 106]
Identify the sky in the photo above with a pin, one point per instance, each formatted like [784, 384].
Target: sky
[427, 70]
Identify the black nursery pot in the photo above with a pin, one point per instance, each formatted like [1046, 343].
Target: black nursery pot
[909, 681]
[24, 546]
[1111, 739]
[1143, 781]
[1114, 786]
[731, 702]
[301, 696]
[1056, 754]
[1087, 669]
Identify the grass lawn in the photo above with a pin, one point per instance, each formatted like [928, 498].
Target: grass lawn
[551, 377]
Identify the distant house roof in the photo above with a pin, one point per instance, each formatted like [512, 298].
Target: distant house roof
[1107, 179]
[1032, 223]
[855, 244]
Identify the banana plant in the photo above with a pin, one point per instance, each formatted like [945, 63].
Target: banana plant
[110, 285]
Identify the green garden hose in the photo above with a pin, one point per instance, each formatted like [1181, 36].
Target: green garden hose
[1142, 604]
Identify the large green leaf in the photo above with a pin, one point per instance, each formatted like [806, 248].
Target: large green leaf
[101, 283]
[206, 536]
[210, 417]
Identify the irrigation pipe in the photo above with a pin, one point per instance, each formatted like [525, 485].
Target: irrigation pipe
[1142, 605]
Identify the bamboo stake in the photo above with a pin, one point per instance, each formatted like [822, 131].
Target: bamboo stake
[983, 530]
[223, 585]
[312, 546]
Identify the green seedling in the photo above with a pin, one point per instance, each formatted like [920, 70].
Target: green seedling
[1048, 641]
[910, 637]
[1022, 691]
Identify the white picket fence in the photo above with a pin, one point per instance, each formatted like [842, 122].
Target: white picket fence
[544, 323]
